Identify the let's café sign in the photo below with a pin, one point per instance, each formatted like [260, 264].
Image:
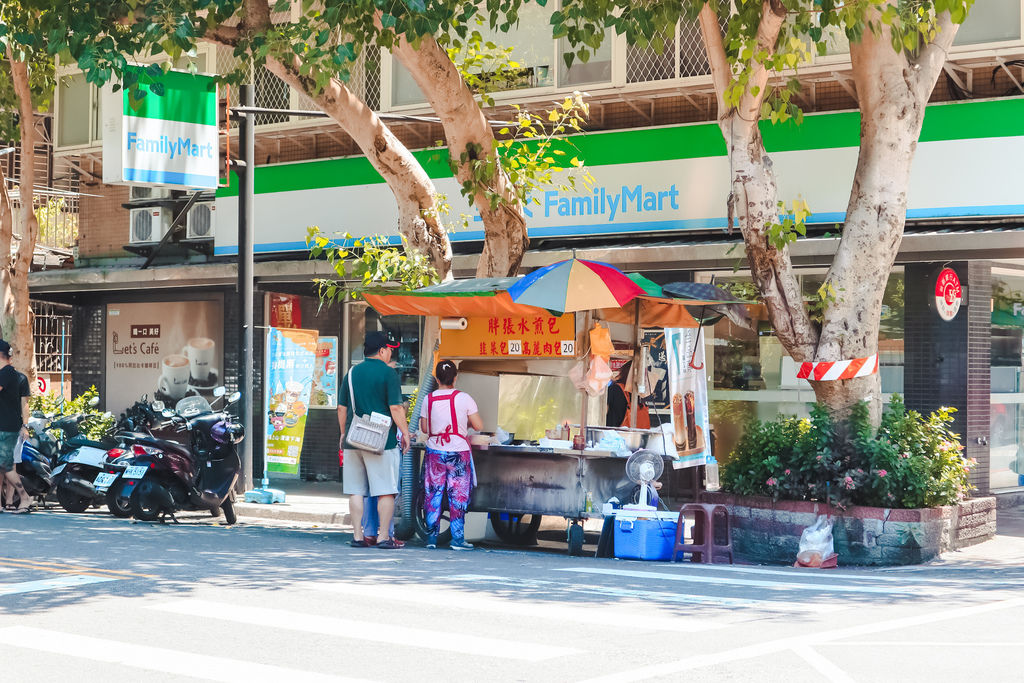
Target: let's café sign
[168, 136]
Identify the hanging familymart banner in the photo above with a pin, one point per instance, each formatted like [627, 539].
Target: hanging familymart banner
[291, 361]
[688, 396]
[161, 129]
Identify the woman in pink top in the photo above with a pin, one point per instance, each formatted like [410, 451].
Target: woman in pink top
[449, 412]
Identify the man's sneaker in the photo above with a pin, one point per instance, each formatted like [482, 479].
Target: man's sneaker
[461, 545]
[432, 542]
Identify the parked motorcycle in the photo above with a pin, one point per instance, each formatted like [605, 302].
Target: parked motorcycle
[40, 452]
[90, 474]
[164, 477]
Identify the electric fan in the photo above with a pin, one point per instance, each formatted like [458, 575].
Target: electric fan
[644, 467]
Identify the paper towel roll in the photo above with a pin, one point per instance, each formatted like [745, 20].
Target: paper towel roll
[454, 323]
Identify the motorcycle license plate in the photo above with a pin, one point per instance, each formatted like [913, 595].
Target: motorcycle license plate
[135, 472]
[104, 480]
[58, 470]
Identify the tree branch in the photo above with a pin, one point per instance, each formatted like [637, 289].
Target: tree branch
[773, 14]
[27, 177]
[933, 55]
[721, 75]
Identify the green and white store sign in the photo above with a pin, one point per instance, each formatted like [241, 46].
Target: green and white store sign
[667, 179]
[168, 137]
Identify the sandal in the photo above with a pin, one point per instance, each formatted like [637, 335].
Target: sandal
[390, 544]
[359, 544]
[21, 511]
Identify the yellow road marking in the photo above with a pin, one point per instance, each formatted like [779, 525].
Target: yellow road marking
[62, 568]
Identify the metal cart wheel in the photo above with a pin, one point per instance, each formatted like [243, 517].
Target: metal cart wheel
[515, 528]
[575, 539]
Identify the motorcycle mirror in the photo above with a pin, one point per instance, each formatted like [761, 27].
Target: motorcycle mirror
[108, 415]
[94, 401]
[158, 405]
[167, 412]
[234, 397]
[219, 391]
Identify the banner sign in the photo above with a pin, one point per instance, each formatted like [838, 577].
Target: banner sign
[168, 136]
[284, 310]
[325, 376]
[165, 350]
[291, 359]
[540, 336]
[688, 386]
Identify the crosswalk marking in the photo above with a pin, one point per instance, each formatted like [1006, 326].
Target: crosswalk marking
[460, 599]
[431, 639]
[655, 596]
[872, 575]
[770, 585]
[66, 581]
[175, 662]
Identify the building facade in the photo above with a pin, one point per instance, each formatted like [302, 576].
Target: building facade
[657, 207]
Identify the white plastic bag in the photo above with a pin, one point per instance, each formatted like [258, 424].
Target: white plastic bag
[816, 545]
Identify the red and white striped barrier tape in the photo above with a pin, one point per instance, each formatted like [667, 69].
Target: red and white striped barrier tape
[825, 371]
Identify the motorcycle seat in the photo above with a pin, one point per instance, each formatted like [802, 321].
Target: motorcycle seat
[82, 440]
[171, 446]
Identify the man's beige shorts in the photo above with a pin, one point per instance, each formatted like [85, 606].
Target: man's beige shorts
[368, 474]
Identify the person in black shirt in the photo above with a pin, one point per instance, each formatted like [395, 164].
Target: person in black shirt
[13, 412]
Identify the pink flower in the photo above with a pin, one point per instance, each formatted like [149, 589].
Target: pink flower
[905, 454]
[882, 473]
[860, 471]
[771, 481]
[818, 458]
[787, 471]
[848, 482]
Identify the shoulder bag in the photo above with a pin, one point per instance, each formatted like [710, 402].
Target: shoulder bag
[364, 433]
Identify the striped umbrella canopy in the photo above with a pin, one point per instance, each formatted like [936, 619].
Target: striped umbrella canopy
[575, 285]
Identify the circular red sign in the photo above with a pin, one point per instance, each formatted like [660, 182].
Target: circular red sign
[948, 294]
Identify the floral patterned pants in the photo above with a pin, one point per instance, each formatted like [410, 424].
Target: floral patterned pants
[451, 470]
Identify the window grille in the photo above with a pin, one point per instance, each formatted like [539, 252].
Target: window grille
[52, 335]
[683, 56]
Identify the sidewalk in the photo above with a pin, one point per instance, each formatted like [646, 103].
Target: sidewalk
[312, 502]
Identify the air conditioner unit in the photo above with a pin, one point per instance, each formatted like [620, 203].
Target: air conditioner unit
[201, 221]
[149, 225]
[142, 192]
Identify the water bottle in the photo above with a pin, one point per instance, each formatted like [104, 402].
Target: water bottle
[589, 505]
[711, 474]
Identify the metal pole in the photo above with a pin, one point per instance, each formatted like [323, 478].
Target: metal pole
[246, 191]
[63, 357]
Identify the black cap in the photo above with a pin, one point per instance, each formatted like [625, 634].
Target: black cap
[375, 341]
[5, 348]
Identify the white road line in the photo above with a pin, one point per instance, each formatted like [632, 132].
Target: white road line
[452, 598]
[66, 581]
[822, 665]
[907, 577]
[550, 587]
[926, 643]
[770, 585]
[175, 662]
[430, 639]
[773, 646]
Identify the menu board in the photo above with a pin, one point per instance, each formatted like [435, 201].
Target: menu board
[539, 336]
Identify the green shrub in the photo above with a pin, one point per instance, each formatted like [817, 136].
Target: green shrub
[96, 425]
[909, 462]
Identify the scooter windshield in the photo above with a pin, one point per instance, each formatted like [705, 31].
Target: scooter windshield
[192, 406]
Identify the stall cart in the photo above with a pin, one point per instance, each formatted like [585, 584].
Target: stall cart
[518, 480]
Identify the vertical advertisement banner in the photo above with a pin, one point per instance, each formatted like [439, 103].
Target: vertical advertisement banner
[166, 350]
[325, 377]
[688, 396]
[291, 360]
[284, 310]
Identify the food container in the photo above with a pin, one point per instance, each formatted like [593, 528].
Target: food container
[635, 438]
[480, 440]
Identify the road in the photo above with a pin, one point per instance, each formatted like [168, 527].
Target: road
[91, 598]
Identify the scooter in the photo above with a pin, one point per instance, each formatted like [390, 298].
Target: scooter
[90, 474]
[164, 477]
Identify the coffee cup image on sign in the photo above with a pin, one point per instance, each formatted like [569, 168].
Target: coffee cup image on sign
[174, 376]
[200, 352]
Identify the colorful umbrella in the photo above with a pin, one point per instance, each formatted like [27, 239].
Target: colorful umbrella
[575, 285]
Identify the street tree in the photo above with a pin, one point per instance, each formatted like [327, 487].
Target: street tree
[26, 86]
[755, 49]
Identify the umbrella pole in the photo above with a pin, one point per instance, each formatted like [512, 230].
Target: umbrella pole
[634, 404]
[584, 338]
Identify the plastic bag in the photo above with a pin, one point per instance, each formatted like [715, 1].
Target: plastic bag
[816, 547]
[598, 376]
[601, 342]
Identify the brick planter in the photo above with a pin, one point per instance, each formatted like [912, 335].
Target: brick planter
[768, 532]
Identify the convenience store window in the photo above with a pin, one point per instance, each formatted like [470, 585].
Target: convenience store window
[1006, 468]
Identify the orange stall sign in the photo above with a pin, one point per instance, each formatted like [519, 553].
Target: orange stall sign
[534, 336]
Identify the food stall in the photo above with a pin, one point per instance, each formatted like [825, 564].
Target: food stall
[516, 355]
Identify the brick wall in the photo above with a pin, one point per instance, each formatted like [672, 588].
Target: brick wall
[103, 223]
[948, 363]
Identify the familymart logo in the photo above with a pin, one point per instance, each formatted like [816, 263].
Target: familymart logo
[167, 146]
[611, 202]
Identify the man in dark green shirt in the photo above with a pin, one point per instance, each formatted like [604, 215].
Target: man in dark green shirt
[376, 389]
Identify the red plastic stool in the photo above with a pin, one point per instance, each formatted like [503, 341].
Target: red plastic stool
[704, 549]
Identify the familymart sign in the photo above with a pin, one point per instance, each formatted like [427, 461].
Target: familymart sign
[166, 137]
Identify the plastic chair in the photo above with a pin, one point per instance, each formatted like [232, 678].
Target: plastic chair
[704, 549]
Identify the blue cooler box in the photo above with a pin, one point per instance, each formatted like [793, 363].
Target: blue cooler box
[644, 539]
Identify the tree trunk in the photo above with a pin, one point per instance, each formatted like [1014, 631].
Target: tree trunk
[6, 263]
[23, 347]
[471, 146]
